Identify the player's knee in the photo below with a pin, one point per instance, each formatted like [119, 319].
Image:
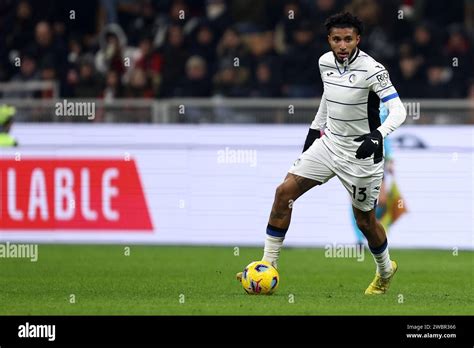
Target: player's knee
[363, 224]
[284, 194]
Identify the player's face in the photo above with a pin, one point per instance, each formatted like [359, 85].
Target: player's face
[343, 42]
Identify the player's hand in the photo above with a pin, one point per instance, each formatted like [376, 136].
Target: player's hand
[313, 134]
[370, 143]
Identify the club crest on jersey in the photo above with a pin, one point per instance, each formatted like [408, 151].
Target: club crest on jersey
[383, 79]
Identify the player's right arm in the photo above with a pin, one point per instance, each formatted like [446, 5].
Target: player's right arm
[317, 126]
[319, 122]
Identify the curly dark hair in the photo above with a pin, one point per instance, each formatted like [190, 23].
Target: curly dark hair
[344, 20]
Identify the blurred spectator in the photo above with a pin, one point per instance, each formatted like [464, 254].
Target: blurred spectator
[6, 68]
[261, 45]
[218, 16]
[438, 77]
[179, 12]
[230, 81]
[459, 51]
[128, 11]
[300, 68]
[28, 72]
[291, 16]
[21, 28]
[48, 72]
[48, 50]
[196, 83]
[139, 86]
[89, 84]
[204, 44]
[231, 47]
[250, 15]
[114, 54]
[113, 87]
[320, 11]
[175, 56]
[75, 50]
[266, 85]
[142, 21]
[150, 61]
[424, 44]
[376, 37]
[75, 55]
[409, 79]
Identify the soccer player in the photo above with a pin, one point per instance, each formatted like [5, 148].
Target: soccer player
[344, 140]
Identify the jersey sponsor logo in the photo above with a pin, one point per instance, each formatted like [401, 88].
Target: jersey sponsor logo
[383, 79]
[329, 73]
[72, 193]
[376, 142]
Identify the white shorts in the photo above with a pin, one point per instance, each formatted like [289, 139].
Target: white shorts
[362, 182]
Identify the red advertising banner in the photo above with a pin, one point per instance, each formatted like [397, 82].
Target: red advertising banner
[72, 193]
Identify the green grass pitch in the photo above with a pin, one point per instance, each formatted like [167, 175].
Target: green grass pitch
[183, 280]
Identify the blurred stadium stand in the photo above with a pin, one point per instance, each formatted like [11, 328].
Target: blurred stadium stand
[134, 59]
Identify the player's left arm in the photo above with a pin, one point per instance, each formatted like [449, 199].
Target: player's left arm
[379, 82]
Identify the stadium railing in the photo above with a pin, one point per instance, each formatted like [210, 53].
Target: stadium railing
[25, 89]
[218, 110]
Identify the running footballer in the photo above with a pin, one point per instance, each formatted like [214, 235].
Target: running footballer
[345, 140]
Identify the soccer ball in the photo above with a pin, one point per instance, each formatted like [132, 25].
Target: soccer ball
[260, 277]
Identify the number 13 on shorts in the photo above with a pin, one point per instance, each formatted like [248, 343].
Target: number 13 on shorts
[364, 191]
[359, 193]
